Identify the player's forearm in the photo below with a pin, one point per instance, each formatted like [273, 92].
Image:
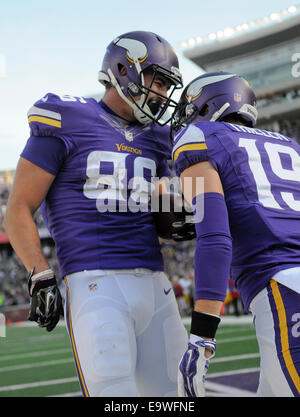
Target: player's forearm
[213, 249]
[212, 266]
[24, 237]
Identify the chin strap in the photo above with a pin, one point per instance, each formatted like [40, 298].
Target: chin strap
[140, 116]
[219, 112]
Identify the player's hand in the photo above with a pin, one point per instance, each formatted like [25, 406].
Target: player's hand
[182, 230]
[46, 302]
[193, 367]
[174, 221]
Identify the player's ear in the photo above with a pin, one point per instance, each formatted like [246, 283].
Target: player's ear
[204, 110]
[122, 69]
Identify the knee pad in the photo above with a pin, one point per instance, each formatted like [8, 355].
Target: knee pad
[104, 342]
[111, 343]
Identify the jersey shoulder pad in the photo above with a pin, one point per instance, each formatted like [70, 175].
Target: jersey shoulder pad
[191, 138]
[193, 144]
[55, 115]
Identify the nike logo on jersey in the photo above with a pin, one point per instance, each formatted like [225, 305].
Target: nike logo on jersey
[167, 291]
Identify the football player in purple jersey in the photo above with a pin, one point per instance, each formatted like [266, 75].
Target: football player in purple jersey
[247, 224]
[90, 165]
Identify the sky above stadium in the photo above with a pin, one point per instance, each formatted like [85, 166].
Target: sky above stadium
[58, 47]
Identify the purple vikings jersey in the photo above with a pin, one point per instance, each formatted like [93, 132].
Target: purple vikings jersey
[97, 209]
[260, 174]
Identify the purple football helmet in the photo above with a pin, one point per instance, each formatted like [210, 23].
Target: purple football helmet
[212, 96]
[139, 51]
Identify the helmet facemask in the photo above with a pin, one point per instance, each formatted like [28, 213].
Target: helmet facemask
[183, 114]
[147, 109]
[155, 107]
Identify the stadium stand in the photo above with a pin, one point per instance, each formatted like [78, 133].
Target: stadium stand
[265, 52]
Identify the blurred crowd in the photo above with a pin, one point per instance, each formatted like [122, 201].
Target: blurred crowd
[13, 275]
[290, 128]
[286, 127]
[4, 192]
[266, 100]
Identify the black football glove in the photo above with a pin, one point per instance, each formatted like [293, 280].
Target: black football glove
[175, 224]
[46, 302]
[182, 230]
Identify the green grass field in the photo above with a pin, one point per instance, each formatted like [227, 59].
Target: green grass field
[34, 363]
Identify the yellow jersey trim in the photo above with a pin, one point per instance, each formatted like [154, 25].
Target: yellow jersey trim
[189, 147]
[45, 121]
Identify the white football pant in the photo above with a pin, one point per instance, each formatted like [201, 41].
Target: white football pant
[276, 311]
[126, 332]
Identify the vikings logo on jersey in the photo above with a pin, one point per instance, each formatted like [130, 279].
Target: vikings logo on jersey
[104, 184]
